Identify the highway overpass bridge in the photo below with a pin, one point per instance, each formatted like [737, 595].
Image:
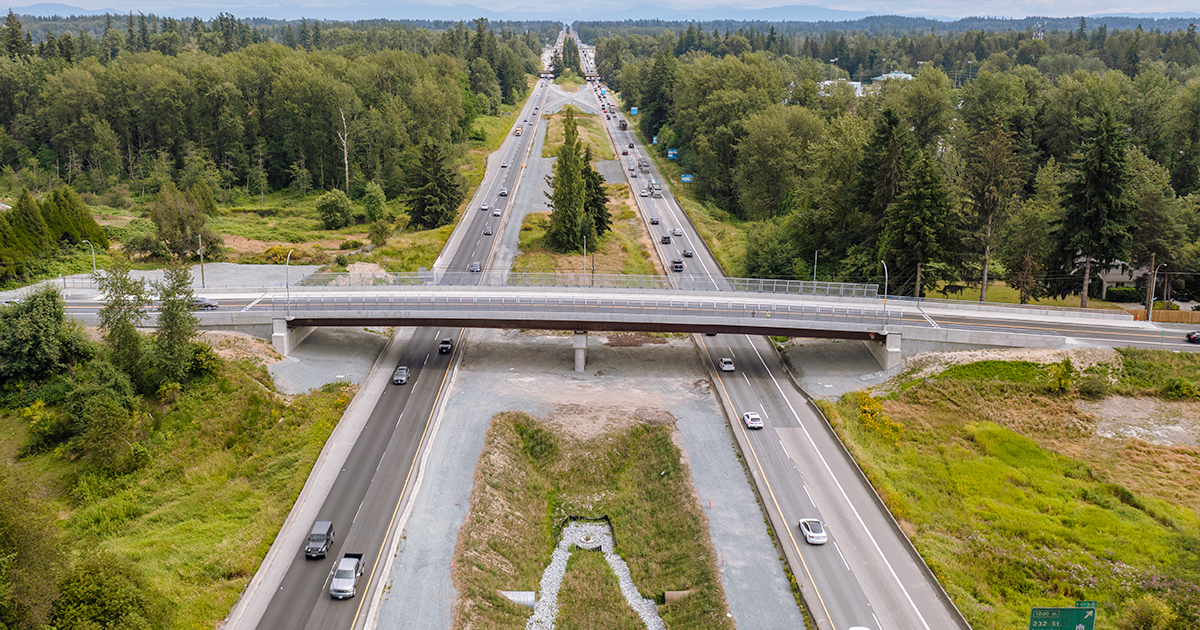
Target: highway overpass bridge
[891, 328]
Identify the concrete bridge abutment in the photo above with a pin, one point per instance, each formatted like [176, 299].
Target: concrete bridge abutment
[285, 339]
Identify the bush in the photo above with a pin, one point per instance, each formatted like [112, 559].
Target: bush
[335, 209]
[1127, 295]
[109, 592]
[1093, 387]
[1146, 613]
[351, 244]
[1178, 388]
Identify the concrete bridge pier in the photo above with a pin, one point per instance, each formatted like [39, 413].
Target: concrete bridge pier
[886, 350]
[285, 339]
[580, 342]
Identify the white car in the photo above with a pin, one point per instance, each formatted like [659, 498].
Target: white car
[504, 165]
[752, 420]
[678, 232]
[814, 531]
[725, 364]
[503, 192]
[484, 207]
[496, 212]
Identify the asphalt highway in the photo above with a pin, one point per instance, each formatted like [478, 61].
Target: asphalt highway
[864, 576]
[369, 492]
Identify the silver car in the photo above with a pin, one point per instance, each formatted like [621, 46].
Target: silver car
[814, 531]
[752, 420]
[726, 364]
[401, 375]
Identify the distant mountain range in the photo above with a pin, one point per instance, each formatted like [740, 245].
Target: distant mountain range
[351, 11]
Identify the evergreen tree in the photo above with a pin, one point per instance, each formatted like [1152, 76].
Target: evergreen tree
[920, 225]
[595, 196]
[1096, 224]
[569, 220]
[656, 101]
[436, 189]
[302, 38]
[15, 42]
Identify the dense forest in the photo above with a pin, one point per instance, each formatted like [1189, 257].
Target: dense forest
[1040, 159]
[232, 106]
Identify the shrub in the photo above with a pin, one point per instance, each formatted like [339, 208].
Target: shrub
[350, 245]
[1093, 387]
[872, 418]
[335, 209]
[1062, 377]
[1146, 613]
[1178, 388]
[1128, 295]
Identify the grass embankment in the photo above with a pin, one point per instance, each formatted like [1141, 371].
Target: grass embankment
[625, 249]
[529, 479]
[227, 461]
[590, 134]
[1015, 502]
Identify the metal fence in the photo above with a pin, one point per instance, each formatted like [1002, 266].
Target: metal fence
[571, 307]
[678, 282]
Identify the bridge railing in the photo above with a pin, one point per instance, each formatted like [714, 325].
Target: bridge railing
[593, 281]
[315, 305]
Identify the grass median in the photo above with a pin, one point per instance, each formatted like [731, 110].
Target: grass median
[531, 477]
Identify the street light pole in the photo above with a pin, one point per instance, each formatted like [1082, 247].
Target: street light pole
[287, 282]
[93, 255]
[1150, 306]
[885, 288]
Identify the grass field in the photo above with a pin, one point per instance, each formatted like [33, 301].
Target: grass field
[1015, 502]
[227, 461]
[625, 249]
[529, 479]
[1004, 294]
[590, 134]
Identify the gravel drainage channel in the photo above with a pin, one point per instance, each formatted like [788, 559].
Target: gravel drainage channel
[590, 537]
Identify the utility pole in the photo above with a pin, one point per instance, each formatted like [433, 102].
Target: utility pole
[1150, 302]
[1150, 289]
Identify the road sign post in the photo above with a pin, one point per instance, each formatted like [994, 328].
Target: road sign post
[1083, 618]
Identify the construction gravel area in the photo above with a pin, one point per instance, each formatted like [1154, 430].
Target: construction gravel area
[635, 376]
[329, 355]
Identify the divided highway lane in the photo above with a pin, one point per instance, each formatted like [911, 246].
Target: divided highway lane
[864, 576]
[395, 430]
[367, 496]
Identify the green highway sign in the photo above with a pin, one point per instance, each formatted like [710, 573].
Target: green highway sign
[1083, 618]
[1085, 604]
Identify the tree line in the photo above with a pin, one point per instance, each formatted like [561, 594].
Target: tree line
[261, 116]
[1039, 179]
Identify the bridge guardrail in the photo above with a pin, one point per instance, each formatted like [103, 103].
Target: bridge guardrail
[304, 304]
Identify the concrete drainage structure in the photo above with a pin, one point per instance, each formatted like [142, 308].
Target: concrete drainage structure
[590, 537]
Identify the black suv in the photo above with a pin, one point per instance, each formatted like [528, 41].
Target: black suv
[319, 540]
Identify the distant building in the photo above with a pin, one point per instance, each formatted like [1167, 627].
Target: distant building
[825, 88]
[4, 207]
[894, 74]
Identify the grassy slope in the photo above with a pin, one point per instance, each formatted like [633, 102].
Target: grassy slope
[227, 462]
[1014, 501]
[530, 478]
